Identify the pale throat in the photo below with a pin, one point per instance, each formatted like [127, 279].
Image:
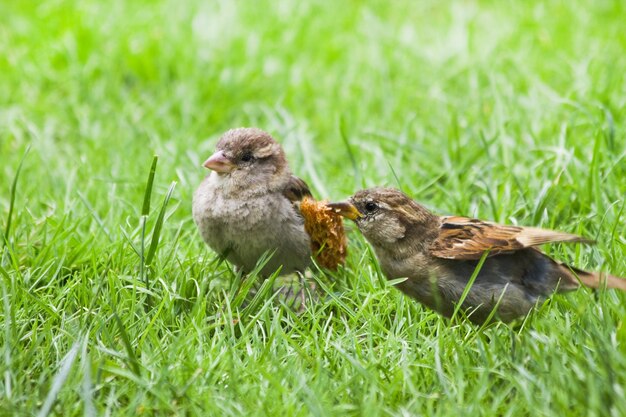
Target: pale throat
[242, 186]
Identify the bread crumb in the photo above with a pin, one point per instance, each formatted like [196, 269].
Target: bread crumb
[325, 227]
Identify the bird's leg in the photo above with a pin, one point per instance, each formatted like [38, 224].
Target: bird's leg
[296, 291]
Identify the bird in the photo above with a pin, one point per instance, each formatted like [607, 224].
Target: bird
[249, 206]
[437, 256]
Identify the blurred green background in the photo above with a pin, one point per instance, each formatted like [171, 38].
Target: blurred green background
[429, 88]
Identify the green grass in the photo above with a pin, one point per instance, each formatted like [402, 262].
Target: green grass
[510, 111]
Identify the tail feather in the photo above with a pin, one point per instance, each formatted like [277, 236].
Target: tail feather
[599, 279]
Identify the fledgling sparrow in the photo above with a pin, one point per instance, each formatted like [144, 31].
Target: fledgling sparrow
[249, 205]
[438, 255]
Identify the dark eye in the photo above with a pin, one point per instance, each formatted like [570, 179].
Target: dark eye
[371, 207]
[247, 157]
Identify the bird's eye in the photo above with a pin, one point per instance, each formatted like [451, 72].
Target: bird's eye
[247, 157]
[371, 207]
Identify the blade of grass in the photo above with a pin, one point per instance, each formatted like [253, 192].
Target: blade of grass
[7, 228]
[7, 334]
[87, 385]
[142, 251]
[130, 242]
[59, 379]
[95, 215]
[145, 210]
[330, 293]
[156, 233]
[395, 176]
[469, 285]
[262, 295]
[353, 161]
[246, 282]
[491, 315]
[132, 358]
[610, 127]
[593, 183]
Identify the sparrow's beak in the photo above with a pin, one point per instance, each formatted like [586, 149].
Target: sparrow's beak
[218, 162]
[346, 209]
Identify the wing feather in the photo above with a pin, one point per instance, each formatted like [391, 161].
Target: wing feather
[467, 238]
[296, 189]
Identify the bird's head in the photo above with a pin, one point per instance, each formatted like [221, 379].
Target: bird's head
[247, 157]
[386, 216]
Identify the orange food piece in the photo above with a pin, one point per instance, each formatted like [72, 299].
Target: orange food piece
[325, 227]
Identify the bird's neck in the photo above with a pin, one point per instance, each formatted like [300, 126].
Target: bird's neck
[407, 256]
[415, 240]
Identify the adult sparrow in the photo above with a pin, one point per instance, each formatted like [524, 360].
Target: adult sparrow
[249, 205]
[438, 256]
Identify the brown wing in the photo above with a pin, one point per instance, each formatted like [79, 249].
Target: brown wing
[296, 190]
[465, 238]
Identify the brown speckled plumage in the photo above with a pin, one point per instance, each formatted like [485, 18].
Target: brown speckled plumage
[438, 255]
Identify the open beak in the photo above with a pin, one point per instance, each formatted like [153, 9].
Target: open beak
[218, 162]
[346, 209]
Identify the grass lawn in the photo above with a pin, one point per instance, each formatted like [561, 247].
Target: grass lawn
[509, 111]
